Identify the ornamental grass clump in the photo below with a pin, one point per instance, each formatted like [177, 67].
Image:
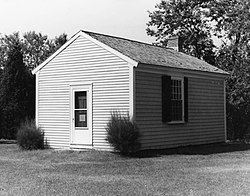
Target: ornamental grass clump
[30, 137]
[123, 133]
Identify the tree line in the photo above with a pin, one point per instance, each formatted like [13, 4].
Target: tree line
[197, 23]
[19, 55]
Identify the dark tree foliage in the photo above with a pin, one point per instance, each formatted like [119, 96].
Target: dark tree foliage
[18, 56]
[185, 19]
[16, 93]
[234, 56]
[238, 90]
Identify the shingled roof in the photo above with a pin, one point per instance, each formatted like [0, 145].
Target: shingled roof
[154, 55]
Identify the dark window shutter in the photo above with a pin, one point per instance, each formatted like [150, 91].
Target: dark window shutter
[166, 98]
[186, 99]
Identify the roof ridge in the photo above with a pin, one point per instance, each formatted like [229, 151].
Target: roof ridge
[140, 42]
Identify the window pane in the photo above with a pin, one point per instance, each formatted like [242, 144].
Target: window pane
[176, 110]
[176, 100]
[80, 118]
[80, 100]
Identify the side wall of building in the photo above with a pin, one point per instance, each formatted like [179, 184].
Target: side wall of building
[83, 62]
[205, 109]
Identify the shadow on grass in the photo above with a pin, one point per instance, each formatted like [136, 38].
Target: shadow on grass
[194, 150]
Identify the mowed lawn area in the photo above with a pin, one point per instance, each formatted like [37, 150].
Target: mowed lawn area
[204, 170]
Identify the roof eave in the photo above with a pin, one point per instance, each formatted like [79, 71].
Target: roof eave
[158, 69]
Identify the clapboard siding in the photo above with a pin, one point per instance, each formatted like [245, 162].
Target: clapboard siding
[85, 62]
[206, 111]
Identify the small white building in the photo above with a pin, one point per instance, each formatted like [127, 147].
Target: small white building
[175, 99]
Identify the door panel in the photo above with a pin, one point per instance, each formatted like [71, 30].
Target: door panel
[81, 114]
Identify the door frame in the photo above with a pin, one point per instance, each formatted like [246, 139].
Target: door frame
[81, 87]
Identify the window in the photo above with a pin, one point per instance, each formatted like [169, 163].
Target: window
[177, 101]
[80, 109]
[174, 99]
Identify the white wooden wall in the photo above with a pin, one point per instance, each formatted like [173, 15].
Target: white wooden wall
[85, 62]
[205, 103]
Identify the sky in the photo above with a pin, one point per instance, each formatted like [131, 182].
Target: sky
[122, 18]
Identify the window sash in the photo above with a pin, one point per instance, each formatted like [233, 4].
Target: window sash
[177, 99]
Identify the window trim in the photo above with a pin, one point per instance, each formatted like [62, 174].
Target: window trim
[182, 99]
[166, 98]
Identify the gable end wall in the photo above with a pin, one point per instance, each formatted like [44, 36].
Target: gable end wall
[81, 62]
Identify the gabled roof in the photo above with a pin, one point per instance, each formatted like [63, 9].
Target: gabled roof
[136, 52]
[154, 55]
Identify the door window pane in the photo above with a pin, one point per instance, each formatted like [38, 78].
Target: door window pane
[80, 118]
[80, 100]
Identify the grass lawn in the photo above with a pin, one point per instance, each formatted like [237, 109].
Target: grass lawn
[192, 171]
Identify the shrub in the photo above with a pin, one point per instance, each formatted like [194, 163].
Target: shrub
[123, 133]
[29, 137]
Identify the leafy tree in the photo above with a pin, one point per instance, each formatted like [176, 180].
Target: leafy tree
[187, 20]
[234, 57]
[231, 18]
[59, 41]
[238, 90]
[35, 47]
[16, 93]
[6, 44]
